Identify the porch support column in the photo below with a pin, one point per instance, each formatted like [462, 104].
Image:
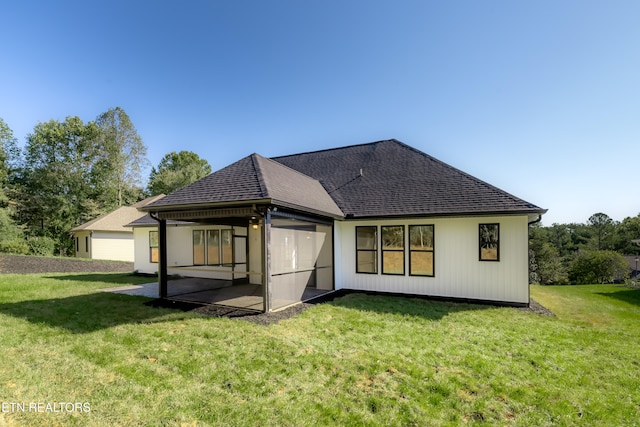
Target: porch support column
[266, 262]
[162, 273]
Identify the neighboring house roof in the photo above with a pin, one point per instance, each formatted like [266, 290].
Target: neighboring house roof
[378, 179]
[390, 178]
[254, 179]
[147, 221]
[117, 220]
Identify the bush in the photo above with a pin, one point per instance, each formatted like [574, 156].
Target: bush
[42, 246]
[546, 267]
[14, 246]
[598, 267]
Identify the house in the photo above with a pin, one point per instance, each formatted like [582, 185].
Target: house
[381, 217]
[108, 237]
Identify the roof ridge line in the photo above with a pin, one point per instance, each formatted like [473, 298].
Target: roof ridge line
[261, 177]
[338, 148]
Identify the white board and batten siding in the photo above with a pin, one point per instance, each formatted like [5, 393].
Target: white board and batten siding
[180, 252]
[458, 271]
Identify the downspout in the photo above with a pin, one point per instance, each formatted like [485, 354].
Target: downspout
[162, 241]
[530, 223]
[535, 221]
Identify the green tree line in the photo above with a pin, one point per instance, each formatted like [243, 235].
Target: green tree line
[593, 252]
[70, 172]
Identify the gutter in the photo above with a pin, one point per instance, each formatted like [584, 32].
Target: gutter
[535, 221]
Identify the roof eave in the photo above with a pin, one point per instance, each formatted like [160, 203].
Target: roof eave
[306, 209]
[205, 205]
[451, 214]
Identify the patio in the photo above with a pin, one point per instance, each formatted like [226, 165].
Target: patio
[214, 291]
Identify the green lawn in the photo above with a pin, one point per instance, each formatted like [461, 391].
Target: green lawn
[360, 360]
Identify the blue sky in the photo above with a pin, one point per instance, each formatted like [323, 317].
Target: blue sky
[539, 98]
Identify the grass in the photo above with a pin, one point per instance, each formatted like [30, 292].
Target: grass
[360, 360]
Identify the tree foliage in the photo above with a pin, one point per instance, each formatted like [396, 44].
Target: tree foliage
[123, 158]
[583, 252]
[60, 182]
[602, 229]
[598, 267]
[9, 160]
[545, 263]
[73, 172]
[177, 170]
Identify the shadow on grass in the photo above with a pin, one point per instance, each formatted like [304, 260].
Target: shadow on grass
[87, 313]
[115, 278]
[405, 305]
[631, 296]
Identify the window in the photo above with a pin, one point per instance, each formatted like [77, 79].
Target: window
[153, 246]
[226, 247]
[213, 247]
[489, 242]
[77, 244]
[86, 244]
[367, 250]
[198, 247]
[421, 243]
[393, 249]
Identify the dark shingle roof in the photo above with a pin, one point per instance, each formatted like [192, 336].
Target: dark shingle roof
[147, 221]
[254, 179]
[389, 178]
[384, 178]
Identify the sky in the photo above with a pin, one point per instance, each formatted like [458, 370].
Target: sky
[539, 98]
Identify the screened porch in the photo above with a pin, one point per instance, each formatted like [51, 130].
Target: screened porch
[262, 261]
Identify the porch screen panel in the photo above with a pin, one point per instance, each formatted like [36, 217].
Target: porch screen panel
[299, 250]
[198, 247]
[324, 263]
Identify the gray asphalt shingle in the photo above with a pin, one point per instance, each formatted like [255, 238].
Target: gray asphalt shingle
[256, 178]
[384, 178]
[390, 178]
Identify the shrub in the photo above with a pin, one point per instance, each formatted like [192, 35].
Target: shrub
[546, 266]
[41, 245]
[598, 267]
[14, 246]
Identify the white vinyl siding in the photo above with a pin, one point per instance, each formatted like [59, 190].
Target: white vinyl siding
[114, 246]
[80, 239]
[458, 272]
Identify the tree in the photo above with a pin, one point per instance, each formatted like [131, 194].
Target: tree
[546, 266]
[123, 158]
[177, 170]
[602, 227]
[9, 157]
[626, 231]
[61, 183]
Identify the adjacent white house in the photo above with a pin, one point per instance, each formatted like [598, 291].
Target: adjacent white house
[380, 217]
[108, 237]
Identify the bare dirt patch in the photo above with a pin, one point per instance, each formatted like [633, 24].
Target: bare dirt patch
[22, 264]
